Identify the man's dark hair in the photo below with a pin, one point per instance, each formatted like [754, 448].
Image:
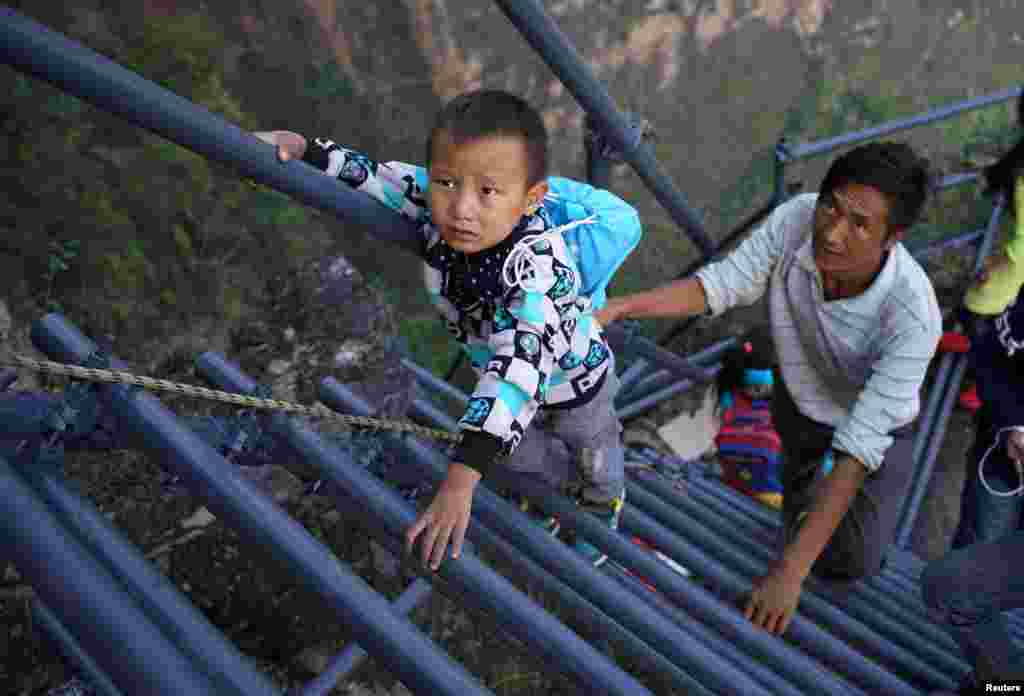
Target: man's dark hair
[1000, 176]
[495, 112]
[894, 169]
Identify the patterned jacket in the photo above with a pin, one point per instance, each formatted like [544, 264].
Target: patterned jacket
[531, 347]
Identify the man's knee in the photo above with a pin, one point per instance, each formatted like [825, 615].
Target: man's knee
[849, 556]
[940, 585]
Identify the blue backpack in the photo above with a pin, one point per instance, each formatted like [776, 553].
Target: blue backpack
[599, 247]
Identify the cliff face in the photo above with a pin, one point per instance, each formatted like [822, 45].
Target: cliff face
[161, 230]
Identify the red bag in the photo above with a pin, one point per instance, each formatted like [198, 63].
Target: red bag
[750, 450]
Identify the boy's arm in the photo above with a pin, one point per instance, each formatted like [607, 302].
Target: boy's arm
[504, 402]
[510, 389]
[400, 186]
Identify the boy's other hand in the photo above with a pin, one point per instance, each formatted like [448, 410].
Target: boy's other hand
[289, 145]
[446, 518]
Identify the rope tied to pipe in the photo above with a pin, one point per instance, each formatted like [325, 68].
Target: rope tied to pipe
[92, 374]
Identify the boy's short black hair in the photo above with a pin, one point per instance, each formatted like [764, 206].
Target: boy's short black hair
[493, 112]
[894, 169]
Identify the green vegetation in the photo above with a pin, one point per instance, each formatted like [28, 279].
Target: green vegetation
[328, 81]
[183, 53]
[231, 305]
[100, 208]
[60, 256]
[429, 344]
[832, 108]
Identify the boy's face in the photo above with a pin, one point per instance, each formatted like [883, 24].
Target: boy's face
[478, 189]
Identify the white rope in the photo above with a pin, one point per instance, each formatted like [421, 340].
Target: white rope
[1017, 464]
[521, 268]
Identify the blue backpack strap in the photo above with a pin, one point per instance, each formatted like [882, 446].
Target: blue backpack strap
[600, 247]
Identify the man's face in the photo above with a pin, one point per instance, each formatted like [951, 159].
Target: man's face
[852, 232]
[478, 189]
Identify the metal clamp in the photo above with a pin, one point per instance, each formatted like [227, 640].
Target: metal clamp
[601, 146]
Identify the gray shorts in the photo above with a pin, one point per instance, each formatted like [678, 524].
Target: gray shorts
[580, 445]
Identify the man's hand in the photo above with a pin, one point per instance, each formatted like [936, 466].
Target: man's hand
[613, 309]
[1015, 445]
[289, 145]
[446, 518]
[775, 596]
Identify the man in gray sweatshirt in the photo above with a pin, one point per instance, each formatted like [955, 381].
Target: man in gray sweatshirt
[855, 323]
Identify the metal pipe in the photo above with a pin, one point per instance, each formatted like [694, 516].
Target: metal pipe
[827, 144]
[8, 376]
[780, 158]
[703, 529]
[47, 55]
[649, 350]
[569, 598]
[684, 516]
[656, 379]
[767, 517]
[477, 583]
[635, 408]
[927, 466]
[559, 560]
[772, 680]
[745, 525]
[23, 414]
[599, 167]
[93, 605]
[631, 374]
[900, 600]
[98, 679]
[921, 437]
[585, 612]
[657, 388]
[394, 641]
[698, 601]
[529, 17]
[424, 411]
[953, 180]
[863, 670]
[924, 249]
[933, 436]
[427, 378]
[228, 670]
[353, 656]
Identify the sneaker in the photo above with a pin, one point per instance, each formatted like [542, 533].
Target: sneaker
[609, 514]
[549, 523]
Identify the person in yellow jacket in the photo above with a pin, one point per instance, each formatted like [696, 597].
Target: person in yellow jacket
[1000, 282]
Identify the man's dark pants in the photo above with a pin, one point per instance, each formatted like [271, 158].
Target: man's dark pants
[859, 546]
